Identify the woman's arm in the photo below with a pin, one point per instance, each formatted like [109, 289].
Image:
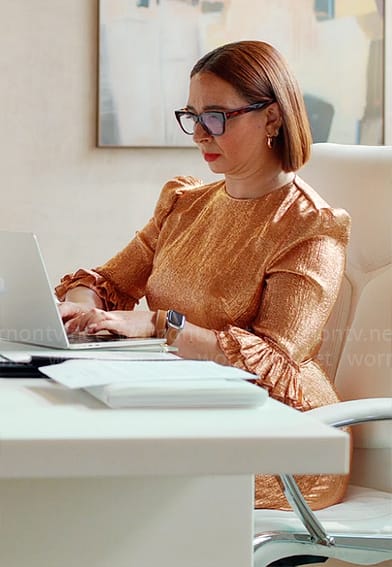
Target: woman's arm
[299, 293]
[198, 343]
[193, 342]
[120, 282]
[85, 296]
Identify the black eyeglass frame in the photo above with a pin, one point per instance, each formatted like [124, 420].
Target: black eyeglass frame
[224, 115]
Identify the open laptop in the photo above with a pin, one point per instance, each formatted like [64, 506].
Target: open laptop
[28, 306]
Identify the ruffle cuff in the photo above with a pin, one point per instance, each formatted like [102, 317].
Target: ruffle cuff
[274, 370]
[110, 296]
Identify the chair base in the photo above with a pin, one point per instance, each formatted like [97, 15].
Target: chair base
[295, 560]
[272, 547]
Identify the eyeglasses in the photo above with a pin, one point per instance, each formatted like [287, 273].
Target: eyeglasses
[213, 121]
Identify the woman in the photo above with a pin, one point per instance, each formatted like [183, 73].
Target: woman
[243, 271]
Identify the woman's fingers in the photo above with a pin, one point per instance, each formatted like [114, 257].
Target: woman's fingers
[112, 326]
[127, 323]
[68, 309]
[81, 321]
[115, 322]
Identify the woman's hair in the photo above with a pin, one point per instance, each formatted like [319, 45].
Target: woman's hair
[259, 73]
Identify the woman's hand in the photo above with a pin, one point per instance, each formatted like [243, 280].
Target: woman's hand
[127, 323]
[78, 301]
[70, 310]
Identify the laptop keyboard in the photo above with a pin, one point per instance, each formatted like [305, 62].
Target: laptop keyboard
[82, 338]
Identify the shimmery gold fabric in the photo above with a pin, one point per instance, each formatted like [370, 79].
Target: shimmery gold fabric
[263, 273]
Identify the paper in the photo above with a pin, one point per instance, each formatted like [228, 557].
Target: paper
[174, 383]
[190, 393]
[86, 373]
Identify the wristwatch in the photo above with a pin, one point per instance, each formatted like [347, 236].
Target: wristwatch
[175, 322]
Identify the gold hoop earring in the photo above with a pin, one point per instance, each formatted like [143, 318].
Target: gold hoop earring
[269, 142]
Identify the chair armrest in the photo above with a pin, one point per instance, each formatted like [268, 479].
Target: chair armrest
[354, 412]
[341, 414]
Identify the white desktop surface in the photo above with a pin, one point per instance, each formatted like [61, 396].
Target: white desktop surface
[47, 430]
[82, 484]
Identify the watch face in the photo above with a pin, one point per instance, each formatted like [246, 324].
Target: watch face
[175, 319]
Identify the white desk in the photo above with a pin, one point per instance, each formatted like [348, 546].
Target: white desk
[84, 485]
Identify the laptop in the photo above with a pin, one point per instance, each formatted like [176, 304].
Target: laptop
[28, 306]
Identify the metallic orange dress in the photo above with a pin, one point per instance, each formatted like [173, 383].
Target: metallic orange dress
[263, 273]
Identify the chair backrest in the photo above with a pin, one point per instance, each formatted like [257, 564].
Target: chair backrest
[357, 340]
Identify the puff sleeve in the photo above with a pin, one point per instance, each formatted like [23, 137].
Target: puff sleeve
[301, 284]
[121, 281]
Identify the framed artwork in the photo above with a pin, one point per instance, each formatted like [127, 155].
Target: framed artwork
[336, 48]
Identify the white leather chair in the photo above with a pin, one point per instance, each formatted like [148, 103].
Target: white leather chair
[357, 351]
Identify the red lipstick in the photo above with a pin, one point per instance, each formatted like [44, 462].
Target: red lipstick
[211, 157]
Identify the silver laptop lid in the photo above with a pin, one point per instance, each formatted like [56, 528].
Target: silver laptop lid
[28, 310]
[28, 307]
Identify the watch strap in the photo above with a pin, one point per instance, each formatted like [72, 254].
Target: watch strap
[160, 323]
[171, 335]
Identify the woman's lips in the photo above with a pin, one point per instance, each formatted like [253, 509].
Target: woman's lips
[211, 157]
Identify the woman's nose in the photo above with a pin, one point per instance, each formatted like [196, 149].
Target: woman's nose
[200, 134]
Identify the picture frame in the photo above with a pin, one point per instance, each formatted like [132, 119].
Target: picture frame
[337, 50]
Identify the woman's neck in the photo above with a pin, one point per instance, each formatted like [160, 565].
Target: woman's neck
[254, 186]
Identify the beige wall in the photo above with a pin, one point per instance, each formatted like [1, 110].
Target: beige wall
[83, 202]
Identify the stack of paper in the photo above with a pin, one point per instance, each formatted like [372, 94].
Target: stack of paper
[169, 383]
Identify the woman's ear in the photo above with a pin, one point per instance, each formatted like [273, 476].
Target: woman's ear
[273, 119]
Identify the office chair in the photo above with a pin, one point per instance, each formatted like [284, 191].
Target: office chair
[357, 352]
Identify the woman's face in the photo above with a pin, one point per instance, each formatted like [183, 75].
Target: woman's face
[242, 149]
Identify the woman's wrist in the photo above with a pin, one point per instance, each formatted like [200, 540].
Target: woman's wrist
[85, 296]
[169, 324]
[160, 323]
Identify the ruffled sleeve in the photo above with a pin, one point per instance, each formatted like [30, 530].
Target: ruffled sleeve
[274, 370]
[301, 284]
[121, 281]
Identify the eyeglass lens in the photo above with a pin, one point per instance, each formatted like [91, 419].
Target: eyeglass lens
[212, 121]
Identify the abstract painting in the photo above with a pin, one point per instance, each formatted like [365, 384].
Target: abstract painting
[147, 48]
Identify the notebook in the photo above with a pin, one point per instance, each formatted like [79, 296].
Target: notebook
[28, 307]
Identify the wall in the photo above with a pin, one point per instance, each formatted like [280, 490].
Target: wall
[83, 202]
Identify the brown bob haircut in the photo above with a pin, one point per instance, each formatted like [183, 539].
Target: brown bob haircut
[259, 73]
